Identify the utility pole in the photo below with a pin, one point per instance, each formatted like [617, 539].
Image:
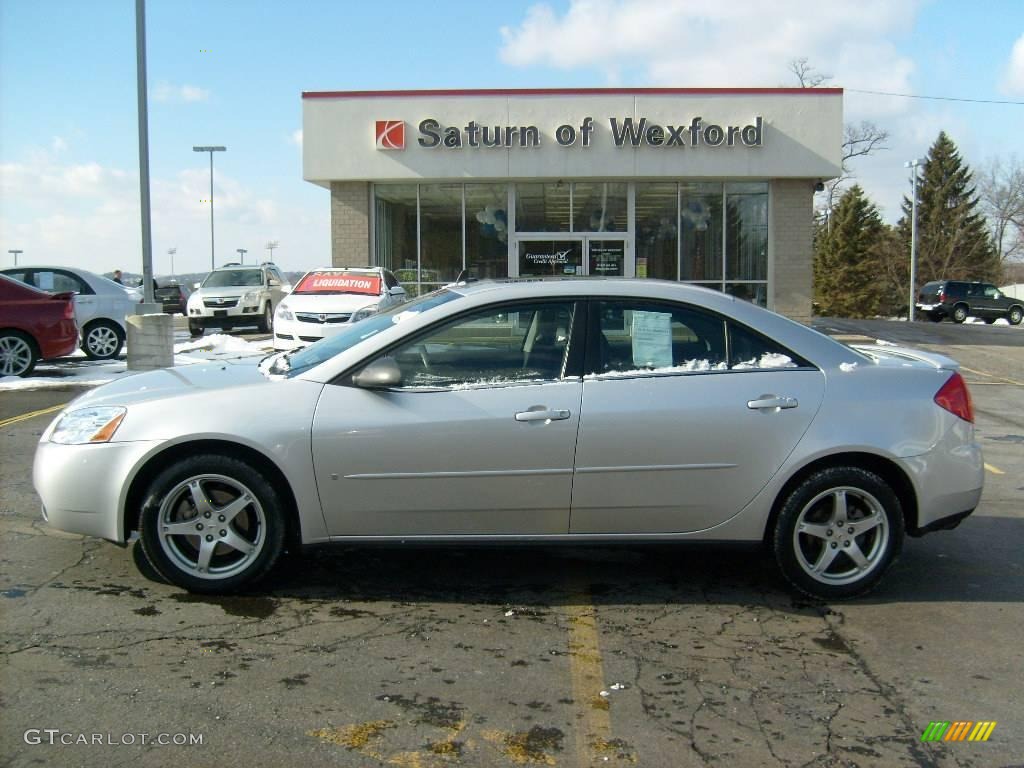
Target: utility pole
[211, 150]
[171, 252]
[913, 165]
[271, 245]
[241, 254]
[15, 252]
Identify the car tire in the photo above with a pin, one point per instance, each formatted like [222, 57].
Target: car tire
[18, 354]
[1015, 315]
[198, 536]
[266, 323]
[102, 340]
[195, 328]
[862, 549]
[959, 313]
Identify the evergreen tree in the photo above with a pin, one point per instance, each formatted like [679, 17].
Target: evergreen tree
[953, 241]
[846, 258]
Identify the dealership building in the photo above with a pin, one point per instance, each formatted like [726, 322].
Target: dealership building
[706, 186]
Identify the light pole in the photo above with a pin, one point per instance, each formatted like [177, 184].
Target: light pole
[15, 252]
[171, 252]
[913, 165]
[271, 245]
[241, 254]
[211, 150]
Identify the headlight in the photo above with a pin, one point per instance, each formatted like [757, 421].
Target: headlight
[365, 312]
[252, 297]
[88, 425]
[283, 313]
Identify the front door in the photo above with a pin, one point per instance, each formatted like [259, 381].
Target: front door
[479, 437]
[572, 256]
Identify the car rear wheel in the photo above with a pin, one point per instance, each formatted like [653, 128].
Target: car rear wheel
[18, 354]
[838, 532]
[1015, 315]
[959, 313]
[212, 524]
[266, 324]
[102, 340]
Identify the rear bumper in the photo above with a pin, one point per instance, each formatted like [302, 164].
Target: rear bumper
[948, 479]
[60, 344]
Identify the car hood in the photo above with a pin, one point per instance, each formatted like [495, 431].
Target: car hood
[329, 302]
[178, 381]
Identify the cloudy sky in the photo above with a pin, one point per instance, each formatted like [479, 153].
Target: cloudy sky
[231, 72]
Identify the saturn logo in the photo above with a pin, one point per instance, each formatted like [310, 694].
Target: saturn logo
[390, 134]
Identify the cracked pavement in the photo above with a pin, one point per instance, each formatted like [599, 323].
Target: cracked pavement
[650, 656]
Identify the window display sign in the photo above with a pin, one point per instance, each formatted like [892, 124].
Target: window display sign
[550, 257]
[339, 282]
[652, 339]
[607, 257]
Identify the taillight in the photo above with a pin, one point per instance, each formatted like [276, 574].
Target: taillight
[942, 296]
[69, 310]
[955, 398]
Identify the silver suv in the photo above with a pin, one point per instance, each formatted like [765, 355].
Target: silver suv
[236, 295]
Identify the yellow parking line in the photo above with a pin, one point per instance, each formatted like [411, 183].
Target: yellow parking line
[593, 726]
[994, 470]
[992, 376]
[31, 415]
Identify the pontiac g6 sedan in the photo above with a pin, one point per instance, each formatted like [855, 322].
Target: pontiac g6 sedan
[544, 411]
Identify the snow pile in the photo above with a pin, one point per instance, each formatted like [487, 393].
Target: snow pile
[218, 344]
[847, 367]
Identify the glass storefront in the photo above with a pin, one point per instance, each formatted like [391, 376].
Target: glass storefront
[707, 233]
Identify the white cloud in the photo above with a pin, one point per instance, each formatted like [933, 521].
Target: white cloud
[166, 92]
[1013, 80]
[739, 43]
[87, 215]
[296, 138]
[58, 144]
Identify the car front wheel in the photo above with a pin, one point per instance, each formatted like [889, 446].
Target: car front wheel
[838, 532]
[1015, 315]
[17, 354]
[102, 340]
[212, 524]
[266, 324]
[195, 328]
[959, 313]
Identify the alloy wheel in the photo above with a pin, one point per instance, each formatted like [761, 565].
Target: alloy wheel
[15, 356]
[102, 341]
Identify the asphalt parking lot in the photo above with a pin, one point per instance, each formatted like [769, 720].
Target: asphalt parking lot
[515, 656]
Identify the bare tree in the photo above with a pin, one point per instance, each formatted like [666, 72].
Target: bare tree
[859, 140]
[1001, 188]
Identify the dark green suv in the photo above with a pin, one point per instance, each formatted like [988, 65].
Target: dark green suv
[958, 300]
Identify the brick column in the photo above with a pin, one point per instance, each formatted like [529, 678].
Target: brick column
[792, 227]
[350, 224]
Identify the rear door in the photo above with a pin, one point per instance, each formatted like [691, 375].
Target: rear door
[686, 417]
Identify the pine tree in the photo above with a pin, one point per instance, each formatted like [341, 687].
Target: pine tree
[953, 241]
[846, 259]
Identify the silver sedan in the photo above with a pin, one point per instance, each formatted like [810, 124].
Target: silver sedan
[554, 411]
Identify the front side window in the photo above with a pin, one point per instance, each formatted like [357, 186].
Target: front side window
[514, 344]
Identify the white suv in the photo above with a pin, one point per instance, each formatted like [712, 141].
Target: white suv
[236, 295]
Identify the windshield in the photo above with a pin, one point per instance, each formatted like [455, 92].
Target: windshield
[339, 282]
[316, 353]
[232, 277]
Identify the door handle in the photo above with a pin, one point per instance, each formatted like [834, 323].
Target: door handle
[557, 415]
[767, 402]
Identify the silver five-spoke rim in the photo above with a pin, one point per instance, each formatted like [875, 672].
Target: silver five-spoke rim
[212, 526]
[102, 341]
[15, 356]
[841, 535]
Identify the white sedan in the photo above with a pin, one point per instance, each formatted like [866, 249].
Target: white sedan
[577, 410]
[101, 305]
[325, 300]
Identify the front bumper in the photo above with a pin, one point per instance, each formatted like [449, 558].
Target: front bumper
[239, 314]
[292, 334]
[83, 487]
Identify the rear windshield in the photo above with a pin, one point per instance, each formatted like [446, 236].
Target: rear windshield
[339, 282]
[229, 277]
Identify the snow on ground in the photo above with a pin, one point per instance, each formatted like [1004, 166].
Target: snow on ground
[78, 370]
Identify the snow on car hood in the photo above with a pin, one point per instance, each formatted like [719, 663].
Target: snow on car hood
[180, 380]
[328, 302]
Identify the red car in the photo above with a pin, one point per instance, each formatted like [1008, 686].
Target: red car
[34, 325]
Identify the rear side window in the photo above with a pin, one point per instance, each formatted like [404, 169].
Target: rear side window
[750, 350]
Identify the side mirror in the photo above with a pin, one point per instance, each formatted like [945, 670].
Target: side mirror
[397, 291]
[195, 286]
[286, 288]
[380, 374]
